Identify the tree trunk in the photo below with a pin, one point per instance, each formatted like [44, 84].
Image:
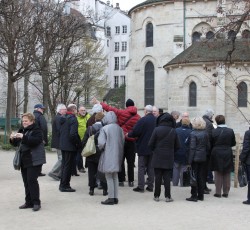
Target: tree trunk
[26, 94]
[9, 108]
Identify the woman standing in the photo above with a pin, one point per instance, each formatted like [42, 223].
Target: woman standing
[221, 161]
[30, 141]
[163, 143]
[198, 148]
[111, 142]
[245, 159]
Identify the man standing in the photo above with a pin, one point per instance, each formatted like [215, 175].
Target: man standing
[42, 124]
[69, 144]
[82, 119]
[127, 118]
[185, 115]
[143, 131]
[61, 110]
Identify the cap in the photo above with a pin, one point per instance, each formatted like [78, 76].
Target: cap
[39, 106]
[130, 102]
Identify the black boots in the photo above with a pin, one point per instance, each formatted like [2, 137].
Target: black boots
[110, 201]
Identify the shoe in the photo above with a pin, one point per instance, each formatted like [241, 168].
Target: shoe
[121, 184]
[42, 174]
[192, 199]
[169, 199]
[25, 206]
[137, 189]
[131, 184]
[116, 200]
[109, 201]
[208, 189]
[200, 198]
[75, 174]
[217, 195]
[246, 202]
[225, 195]
[105, 193]
[91, 192]
[210, 182]
[82, 170]
[149, 189]
[54, 176]
[67, 189]
[156, 198]
[36, 207]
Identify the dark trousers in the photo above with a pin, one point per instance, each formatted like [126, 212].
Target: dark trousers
[144, 163]
[129, 155]
[248, 179]
[165, 175]
[68, 158]
[32, 191]
[92, 174]
[200, 170]
[78, 162]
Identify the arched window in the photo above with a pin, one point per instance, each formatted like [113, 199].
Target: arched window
[192, 94]
[210, 35]
[196, 37]
[242, 94]
[149, 90]
[246, 34]
[231, 35]
[149, 35]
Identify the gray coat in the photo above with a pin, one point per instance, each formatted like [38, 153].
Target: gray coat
[110, 142]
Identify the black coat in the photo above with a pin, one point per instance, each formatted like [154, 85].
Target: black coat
[199, 146]
[55, 139]
[31, 146]
[143, 130]
[69, 138]
[245, 153]
[42, 123]
[164, 142]
[221, 159]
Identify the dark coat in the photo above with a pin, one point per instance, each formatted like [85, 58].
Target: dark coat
[42, 123]
[143, 131]
[164, 142]
[31, 146]
[221, 159]
[69, 138]
[199, 146]
[245, 153]
[55, 139]
[181, 155]
[209, 126]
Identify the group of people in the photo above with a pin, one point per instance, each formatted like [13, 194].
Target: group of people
[165, 148]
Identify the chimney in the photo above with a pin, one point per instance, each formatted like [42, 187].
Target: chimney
[108, 3]
[117, 6]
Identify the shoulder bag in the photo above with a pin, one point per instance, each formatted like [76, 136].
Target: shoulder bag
[242, 176]
[17, 159]
[90, 147]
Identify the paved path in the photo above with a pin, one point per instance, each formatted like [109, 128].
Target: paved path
[66, 211]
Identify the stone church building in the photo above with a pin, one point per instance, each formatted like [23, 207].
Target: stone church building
[183, 57]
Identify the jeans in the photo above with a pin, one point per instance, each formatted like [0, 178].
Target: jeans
[144, 163]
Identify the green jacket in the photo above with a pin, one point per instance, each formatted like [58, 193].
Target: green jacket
[82, 124]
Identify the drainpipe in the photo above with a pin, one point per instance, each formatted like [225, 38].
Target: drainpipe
[184, 24]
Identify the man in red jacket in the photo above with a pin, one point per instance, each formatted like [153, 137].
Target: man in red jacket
[127, 118]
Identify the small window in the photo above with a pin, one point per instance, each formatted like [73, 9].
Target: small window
[149, 35]
[149, 87]
[192, 95]
[107, 43]
[124, 29]
[231, 35]
[117, 46]
[246, 34]
[123, 80]
[108, 31]
[124, 46]
[117, 30]
[123, 63]
[116, 63]
[116, 81]
[196, 37]
[242, 94]
[210, 35]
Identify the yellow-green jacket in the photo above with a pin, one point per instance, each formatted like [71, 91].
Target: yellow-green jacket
[82, 124]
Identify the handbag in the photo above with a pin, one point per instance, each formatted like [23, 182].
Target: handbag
[193, 181]
[186, 178]
[17, 159]
[90, 147]
[242, 176]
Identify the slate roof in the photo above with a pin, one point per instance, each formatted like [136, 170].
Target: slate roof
[148, 2]
[213, 51]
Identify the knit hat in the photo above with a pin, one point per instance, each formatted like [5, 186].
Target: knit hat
[97, 108]
[99, 116]
[209, 113]
[129, 102]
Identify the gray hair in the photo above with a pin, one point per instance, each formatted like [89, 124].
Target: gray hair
[175, 113]
[149, 108]
[198, 123]
[209, 113]
[59, 107]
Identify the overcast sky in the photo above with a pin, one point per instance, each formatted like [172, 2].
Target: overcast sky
[126, 4]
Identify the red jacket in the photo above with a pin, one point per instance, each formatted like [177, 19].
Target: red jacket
[127, 118]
